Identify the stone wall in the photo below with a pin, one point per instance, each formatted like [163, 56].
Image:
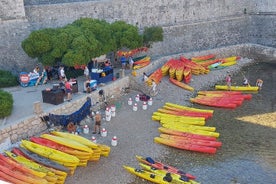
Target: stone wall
[33, 125]
[189, 25]
[263, 29]
[11, 10]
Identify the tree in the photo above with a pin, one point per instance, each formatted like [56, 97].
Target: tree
[152, 34]
[86, 38]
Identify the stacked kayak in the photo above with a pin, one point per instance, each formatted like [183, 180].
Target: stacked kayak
[67, 160]
[220, 99]
[49, 158]
[158, 172]
[49, 175]
[195, 67]
[156, 76]
[59, 170]
[14, 172]
[183, 128]
[141, 63]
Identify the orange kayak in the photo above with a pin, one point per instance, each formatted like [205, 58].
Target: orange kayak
[186, 134]
[185, 146]
[13, 172]
[21, 167]
[203, 58]
[181, 84]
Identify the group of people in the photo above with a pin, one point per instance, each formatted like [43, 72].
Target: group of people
[228, 80]
[43, 78]
[125, 61]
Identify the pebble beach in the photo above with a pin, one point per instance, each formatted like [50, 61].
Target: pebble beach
[136, 130]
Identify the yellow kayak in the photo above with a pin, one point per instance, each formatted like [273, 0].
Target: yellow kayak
[67, 142]
[105, 150]
[77, 138]
[237, 88]
[170, 124]
[193, 131]
[146, 175]
[179, 121]
[176, 178]
[230, 63]
[189, 118]
[229, 59]
[188, 108]
[50, 153]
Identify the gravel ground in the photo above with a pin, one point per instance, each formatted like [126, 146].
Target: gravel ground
[136, 130]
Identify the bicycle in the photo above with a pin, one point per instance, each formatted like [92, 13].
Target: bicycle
[154, 91]
[124, 91]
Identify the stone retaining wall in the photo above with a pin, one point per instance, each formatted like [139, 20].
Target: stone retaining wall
[188, 25]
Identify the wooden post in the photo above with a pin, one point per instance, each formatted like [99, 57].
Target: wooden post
[37, 107]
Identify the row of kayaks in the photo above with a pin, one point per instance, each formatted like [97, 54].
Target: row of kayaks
[180, 70]
[184, 128]
[157, 172]
[49, 158]
[222, 99]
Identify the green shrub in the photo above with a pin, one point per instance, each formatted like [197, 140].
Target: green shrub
[7, 79]
[73, 73]
[6, 104]
[153, 34]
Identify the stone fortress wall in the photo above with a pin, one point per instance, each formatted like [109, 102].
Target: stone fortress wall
[188, 25]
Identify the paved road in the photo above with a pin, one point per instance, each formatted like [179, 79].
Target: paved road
[25, 97]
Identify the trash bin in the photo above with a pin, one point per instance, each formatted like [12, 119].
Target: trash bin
[117, 75]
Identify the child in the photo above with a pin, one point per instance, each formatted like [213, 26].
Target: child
[228, 82]
[68, 90]
[98, 118]
[259, 83]
[245, 82]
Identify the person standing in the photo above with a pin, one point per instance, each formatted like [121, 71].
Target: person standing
[145, 77]
[36, 69]
[259, 83]
[123, 61]
[68, 90]
[86, 72]
[130, 61]
[245, 82]
[97, 125]
[228, 82]
[42, 78]
[62, 74]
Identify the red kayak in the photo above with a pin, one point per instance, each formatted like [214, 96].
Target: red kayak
[185, 146]
[22, 176]
[158, 165]
[20, 167]
[213, 104]
[181, 139]
[206, 115]
[54, 145]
